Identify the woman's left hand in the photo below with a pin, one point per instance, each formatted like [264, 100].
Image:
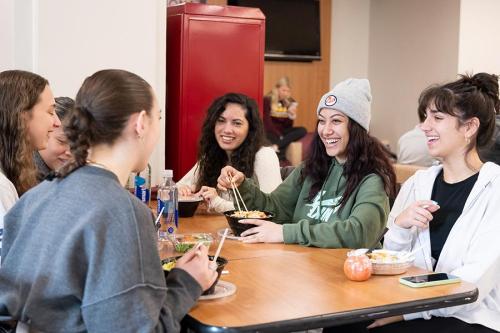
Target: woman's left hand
[207, 193]
[385, 321]
[263, 232]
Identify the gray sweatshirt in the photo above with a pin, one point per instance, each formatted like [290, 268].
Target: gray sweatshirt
[79, 254]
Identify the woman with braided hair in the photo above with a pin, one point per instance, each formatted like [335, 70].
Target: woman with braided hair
[97, 266]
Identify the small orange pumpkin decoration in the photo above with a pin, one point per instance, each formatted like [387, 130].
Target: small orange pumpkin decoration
[357, 267]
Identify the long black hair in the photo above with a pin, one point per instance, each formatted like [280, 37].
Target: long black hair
[212, 158]
[365, 155]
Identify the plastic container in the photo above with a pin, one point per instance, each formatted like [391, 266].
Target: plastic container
[185, 242]
[386, 262]
[168, 205]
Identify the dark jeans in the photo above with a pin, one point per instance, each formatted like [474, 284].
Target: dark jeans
[435, 324]
[289, 135]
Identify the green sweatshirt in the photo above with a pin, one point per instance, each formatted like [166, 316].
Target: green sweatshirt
[319, 222]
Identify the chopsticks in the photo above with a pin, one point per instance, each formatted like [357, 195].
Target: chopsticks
[214, 262]
[237, 195]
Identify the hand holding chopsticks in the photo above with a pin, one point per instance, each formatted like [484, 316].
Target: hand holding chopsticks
[227, 176]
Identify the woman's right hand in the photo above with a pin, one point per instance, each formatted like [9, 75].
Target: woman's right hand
[417, 214]
[184, 190]
[196, 263]
[229, 175]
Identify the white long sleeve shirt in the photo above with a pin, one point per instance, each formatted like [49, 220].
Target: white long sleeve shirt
[266, 174]
[8, 197]
[472, 249]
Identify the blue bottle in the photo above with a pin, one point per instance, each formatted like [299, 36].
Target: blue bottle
[168, 204]
[142, 185]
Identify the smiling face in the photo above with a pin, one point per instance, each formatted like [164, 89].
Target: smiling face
[334, 133]
[57, 152]
[42, 119]
[231, 128]
[445, 135]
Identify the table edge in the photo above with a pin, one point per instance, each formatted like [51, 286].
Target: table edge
[341, 318]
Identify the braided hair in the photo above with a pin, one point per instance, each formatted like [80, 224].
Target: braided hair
[103, 106]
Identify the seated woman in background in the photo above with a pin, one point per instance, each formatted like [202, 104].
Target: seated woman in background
[280, 110]
[97, 267]
[57, 152]
[339, 196]
[232, 134]
[452, 209]
[27, 117]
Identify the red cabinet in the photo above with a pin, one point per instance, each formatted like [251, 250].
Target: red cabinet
[211, 50]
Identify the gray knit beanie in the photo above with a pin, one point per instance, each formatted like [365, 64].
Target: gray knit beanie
[351, 97]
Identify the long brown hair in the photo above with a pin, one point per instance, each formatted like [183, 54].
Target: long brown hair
[19, 92]
[103, 105]
[365, 155]
[212, 158]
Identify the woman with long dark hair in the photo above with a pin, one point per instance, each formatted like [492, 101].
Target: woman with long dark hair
[451, 210]
[232, 134]
[339, 197]
[97, 266]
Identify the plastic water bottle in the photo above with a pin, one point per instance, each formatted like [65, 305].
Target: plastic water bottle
[168, 204]
[142, 185]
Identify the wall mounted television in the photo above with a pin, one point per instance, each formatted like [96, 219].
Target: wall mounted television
[292, 28]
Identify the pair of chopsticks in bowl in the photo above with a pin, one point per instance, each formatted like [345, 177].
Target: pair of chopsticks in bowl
[237, 194]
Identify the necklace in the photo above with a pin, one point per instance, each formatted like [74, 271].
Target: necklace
[98, 165]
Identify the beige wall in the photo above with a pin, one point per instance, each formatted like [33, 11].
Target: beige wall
[479, 47]
[349, 39]
[412, 45]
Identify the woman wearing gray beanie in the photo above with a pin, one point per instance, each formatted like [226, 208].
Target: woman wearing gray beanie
[339, 196]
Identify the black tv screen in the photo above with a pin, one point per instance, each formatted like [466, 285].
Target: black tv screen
[292, 28]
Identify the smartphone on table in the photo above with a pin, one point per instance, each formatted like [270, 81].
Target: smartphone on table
[428, 280]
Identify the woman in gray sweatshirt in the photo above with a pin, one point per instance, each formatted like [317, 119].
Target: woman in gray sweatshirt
[79, 251]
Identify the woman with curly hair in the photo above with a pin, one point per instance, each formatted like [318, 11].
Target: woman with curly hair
[339, 197]
[27, 116]
[232, 134]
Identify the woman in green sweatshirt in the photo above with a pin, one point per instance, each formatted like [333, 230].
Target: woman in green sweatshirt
[339, 196]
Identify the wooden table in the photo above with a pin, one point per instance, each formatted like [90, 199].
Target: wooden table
[291, 287]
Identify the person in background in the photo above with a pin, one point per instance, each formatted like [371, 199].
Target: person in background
[27, 118]
[280, 110]
[451, 210]
[491, 153]
[97, 266]
[57, 152]
[412, 147]
[339, 196]
[232, 134]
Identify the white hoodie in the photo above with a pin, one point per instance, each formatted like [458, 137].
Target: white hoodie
[472, 249]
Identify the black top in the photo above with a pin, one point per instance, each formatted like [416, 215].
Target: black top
[451, 199]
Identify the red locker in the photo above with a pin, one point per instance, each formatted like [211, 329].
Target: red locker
[211, 50]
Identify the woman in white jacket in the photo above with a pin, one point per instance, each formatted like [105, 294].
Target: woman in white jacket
[451, 210]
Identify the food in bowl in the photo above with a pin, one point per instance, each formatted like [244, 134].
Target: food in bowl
[185, 242]
[233, 216]
[169, 264]
[386, 262]
[251, 214]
